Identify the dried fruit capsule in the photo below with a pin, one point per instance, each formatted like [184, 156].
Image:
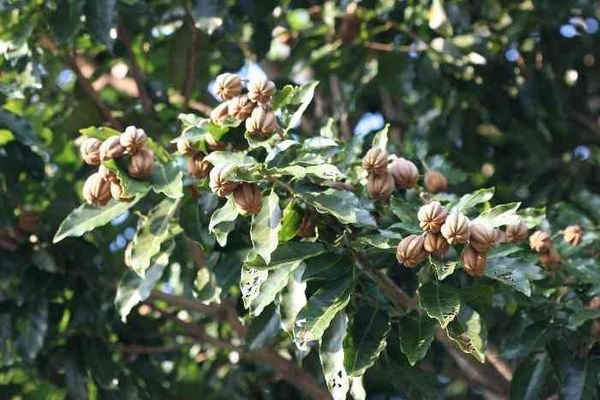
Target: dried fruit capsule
[435, 243]
[185, 147]
[116, 191]
[380, 186]
[248, 198]
[410, 251]
[404, 172]
[228, 85]
[481, 236]
[240, 107]
[540, 241]
[198, 167]
[262, 122]
[473, 262]
[456, 228]
[435, 182]
[550, 259]
[218, 180]
[432, 216]
[111, 148]
[573, 234]
[133, 139]
[260, 90]
[375, 161]
[96, 190]
[516, 232]
[220, 113]
[90, 151]
[107, 174]
[141, 164]
[499, 235]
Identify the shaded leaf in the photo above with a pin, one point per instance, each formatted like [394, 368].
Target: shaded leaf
[529, 379]
[440, 301]
[331, 353]
[100, 19]
[265, 227]
[223, 221]
[469, 333]
[416, 335]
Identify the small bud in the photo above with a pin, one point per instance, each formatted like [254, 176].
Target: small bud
[482, 236]
[228, 86]
[218, 180]
[28, 221]
[107, 174]
[240, 107]
[573, 234]
[198, 167]
[540, 241]
[550, 259]
[116, 191]
[111, 148]
[432, 216]
[90, 151]
[516, 232]
[96, 190]
[260, 90]
[375, 161]
[380, 186]
[248, 198]
[219, 114]
[133, 139]
[435, 182]
[262, 122]
[405, 173]
[456, 228]
[141, 164]
[410, 251]
[185, 147]
[473, 262]
[436, 244]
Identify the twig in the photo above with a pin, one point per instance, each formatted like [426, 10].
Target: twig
[136, 72]
[501, 365]
[141, 349]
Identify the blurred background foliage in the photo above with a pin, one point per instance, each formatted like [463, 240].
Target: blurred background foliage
[492, 93]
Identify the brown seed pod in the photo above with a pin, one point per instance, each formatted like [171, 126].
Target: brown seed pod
[500, 236]
[262, 122]
[594, 303]
[133, 139]
[219, 114]
[436, 244]
[516, 232]
[228, 86]
[473, 262]
[432, 216]
[380, 186]
[375, 161]
[28, 221]
[481, 236]
[141, 164]
[550, 259]
[260, 90]
[410, 251]
[540, 241]
[213, 144]
[96, 190]
[116, 191]
[435, 182]
[240, 107]
[111, 148]
[107, 174]
[248, 198]
[198, 167]
[185, 147]
[456, 228]
[573, 234]
[90, 151]
[405, 173]
[218, 180]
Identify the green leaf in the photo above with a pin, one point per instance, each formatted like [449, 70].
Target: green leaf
[578, 318]
[292, 102]
[132, 289]
[223, 221]
[468, 201]
[328, 266]
[293, 298]
[514, 272]
[66, 18]
[193, 218]
[100, 19]
[321, 308]
[251, 279]
[438, 20]
[331, 353]
[99, 132]
[167, 179]
[529, 379]
[217, 158]
[98, 358]
[131, 187]
[380, 139]
[532, 216]
[366, 338]
[324, 171]
[469, 333]
[440, 301]
[503, 214]
[20, 127]
[290, 222]
[32, 328]
[413, 382]
[264, 328]
[416, 335]
[86, 218]
[288, 252]
[341, 204]
[443, 269]
[270, 288]
[405, 211]
[152, 231]
[265, 227]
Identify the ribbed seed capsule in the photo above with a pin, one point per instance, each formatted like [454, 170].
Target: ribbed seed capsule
[185, 147]
[198, 167]
[573, 234]
[410, 251]
[404, 172]
[111, 148]
[550, 259]
[220, 113]
[218, 180]
[435, 244]
[240, 107]
[435, 182]
[133, 139]
[260, 90]
[248, 198]
[516, 232]
[228, 85]
[482, 236]
[141, 164]
[432, 216]
[540, 241]
[456, 228]
[262, 122]
[96, 190]
[473, 262]
[380, 186]
[375, 162]
[90, 151]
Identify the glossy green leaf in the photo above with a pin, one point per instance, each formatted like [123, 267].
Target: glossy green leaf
[341, 204]
[416, 335]
[380, 139]
[469, 333]
[290, 221]
[265, 227]
[264, 328]
[503, 214]
[271, 287]
[331, 353]
[167, 178]
[440, 301]
[292, 103]
[514, 272]
[288, 252]
[366, 338]
[471, 200]
[20, 127]
[222, 221]
[443, 269]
